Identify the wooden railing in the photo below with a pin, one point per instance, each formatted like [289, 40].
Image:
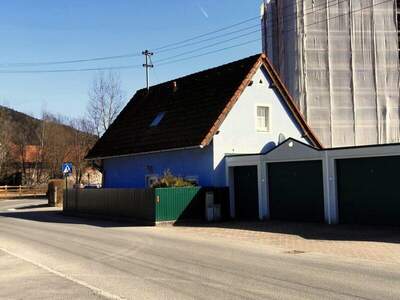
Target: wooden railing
[15, 191]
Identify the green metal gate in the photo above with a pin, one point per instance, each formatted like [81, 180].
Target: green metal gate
[172, 203]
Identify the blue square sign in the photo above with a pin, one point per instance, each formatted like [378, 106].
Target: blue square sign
[66, 168]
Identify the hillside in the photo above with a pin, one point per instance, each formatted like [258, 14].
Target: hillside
[15, 122]
[18, 123]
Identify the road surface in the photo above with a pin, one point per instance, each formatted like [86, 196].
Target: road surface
[44, 255]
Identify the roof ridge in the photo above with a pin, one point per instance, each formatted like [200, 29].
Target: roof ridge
[258, 55]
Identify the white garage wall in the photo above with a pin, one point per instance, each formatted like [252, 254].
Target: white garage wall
[292, 150]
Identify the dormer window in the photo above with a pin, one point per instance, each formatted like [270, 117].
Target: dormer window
[157, 119]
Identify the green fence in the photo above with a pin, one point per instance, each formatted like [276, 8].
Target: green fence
[188, 203]
[173, 203]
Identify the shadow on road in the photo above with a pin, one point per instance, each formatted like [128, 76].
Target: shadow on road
[57, 216]
[312, 231]
[33, 206]
[309, 231]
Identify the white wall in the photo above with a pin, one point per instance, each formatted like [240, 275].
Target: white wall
[238, 133]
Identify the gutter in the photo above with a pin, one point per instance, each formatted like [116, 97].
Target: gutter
[145, 153]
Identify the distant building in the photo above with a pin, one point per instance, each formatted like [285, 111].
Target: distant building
[340, 62]
[25, 165]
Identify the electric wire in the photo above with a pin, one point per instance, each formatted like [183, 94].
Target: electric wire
[167, 47]
[177, 58]
[313, 9]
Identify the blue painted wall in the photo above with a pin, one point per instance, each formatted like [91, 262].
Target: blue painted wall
[131, 171]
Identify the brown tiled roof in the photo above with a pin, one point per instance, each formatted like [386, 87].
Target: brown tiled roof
[195, 106]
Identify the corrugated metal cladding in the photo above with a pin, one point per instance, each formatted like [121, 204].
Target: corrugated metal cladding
[340, 61]
[171, 203]
[368, 190]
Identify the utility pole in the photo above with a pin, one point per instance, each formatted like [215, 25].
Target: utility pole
[147, 65]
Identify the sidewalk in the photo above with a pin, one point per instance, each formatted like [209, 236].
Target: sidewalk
[362, 242]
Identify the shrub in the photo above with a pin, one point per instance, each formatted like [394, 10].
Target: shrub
[170, 180]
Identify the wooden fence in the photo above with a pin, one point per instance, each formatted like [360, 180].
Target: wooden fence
[9, 191]
[133, 204]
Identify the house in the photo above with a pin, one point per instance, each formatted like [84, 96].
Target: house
[298, 182]
[188, 125]
[24, 165]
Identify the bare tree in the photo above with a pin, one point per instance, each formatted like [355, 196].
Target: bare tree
[83, 140]
[105, 101]
[5, 158]
[56, 142]
[23, 135]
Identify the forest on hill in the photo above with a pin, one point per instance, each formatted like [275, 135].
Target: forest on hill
[32, 150]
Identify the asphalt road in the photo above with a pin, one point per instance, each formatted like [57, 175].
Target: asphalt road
[44, 255]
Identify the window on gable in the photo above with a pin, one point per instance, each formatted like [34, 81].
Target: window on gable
[262, 119]
[157, 119]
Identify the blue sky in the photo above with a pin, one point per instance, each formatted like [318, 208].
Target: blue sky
[48, 30]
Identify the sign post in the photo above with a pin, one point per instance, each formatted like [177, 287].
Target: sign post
[67, 171]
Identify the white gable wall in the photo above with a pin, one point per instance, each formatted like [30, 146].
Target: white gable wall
[238, 133]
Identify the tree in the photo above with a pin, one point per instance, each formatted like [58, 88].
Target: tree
[105, 101]
[83, 141]
[23, 135]
[56, 141]
[5, 157]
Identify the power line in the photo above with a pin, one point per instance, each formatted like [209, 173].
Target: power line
[206, 34]
[172, 58]
[292, 29]
[209, 39]
[27, 64]
[70, 70]
[183, 43]
[138, 54]
[239, 36]
[210, 52]
[288, 30]
[210, 46]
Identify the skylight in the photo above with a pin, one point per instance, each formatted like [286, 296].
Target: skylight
[157, 119]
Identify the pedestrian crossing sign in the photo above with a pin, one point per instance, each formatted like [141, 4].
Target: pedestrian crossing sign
[67, 168]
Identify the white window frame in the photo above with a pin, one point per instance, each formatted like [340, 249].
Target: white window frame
[149, 178]
[264, 129]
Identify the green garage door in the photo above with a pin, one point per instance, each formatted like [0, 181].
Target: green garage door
[368, 190]
[296, 191]
[246, 192]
